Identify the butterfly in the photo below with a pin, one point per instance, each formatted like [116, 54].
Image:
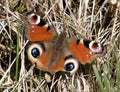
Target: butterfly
[53, 52]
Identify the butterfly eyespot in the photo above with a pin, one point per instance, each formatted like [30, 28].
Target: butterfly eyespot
[35, 51]
[33, 18]
[71, 65]
[96, 48]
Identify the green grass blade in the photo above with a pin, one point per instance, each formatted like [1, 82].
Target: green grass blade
[98, 78]
[17, 51]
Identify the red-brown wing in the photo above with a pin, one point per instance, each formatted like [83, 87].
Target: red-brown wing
[85, 50]
[38, 30]
[41, 56]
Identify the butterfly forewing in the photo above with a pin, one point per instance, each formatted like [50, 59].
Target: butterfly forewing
[83, 50]
[38, 30]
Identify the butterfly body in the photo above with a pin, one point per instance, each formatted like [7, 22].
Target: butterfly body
[52, 52]
[56, 52]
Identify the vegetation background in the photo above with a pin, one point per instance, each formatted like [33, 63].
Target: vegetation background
[91, 19]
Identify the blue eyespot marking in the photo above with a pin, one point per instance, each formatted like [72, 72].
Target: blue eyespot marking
[35, 53]
[69, 66]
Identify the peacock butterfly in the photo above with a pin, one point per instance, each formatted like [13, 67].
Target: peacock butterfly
[53, 52]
